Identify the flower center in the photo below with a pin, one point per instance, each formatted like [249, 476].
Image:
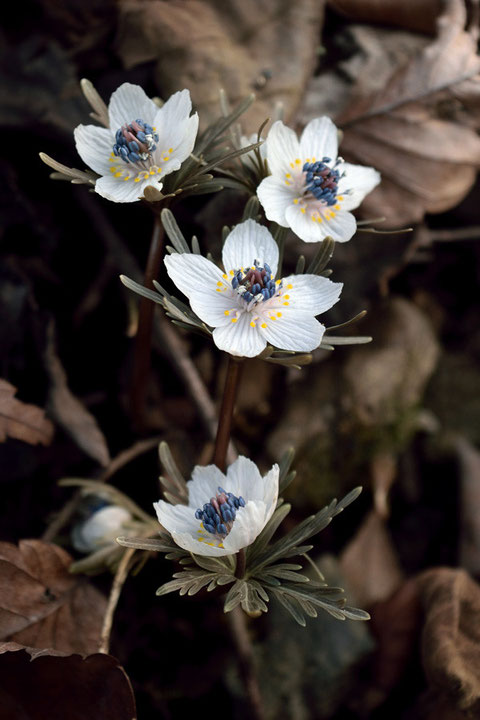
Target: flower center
[135, 141]
[255, 284]
[218, 515]
[322, 181]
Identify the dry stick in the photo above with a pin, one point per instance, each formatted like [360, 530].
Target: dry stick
[118, 581]
[246, 659]
[143, 339]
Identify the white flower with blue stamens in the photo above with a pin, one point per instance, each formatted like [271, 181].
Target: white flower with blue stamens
[310, 189]
[225, 513]
[142, 145]
[245, 305]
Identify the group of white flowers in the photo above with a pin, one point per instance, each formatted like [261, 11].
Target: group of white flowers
[309, 190]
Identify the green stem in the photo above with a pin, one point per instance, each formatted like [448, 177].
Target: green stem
[143, 339]
[234, 369]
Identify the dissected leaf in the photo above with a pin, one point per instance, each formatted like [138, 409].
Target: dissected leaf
[42, 605]
[47, 685]
[22, 421]
[69, 412]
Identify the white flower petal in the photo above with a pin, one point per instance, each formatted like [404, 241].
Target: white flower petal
[275, 197]
[100, 529]
[179, 138]
[294, 330]
[210, 293]
[192, 544]
[249, 523]
[120, 190]
[319, 139]
[95, 146]
[342, 227]
[247, 242]
[312, 293]
[243, 478]
[240, 338]
[128, 103]
[359, 181]
[176, 518]
[283, 148]
[302, 225]
[204, 485]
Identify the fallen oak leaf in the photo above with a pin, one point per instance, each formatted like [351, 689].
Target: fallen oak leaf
[42, 604]
[22, 421]
[49, 685]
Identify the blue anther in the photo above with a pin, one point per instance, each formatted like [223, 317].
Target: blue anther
[222, 491]
[265, 294]
[141, 136]
[199, 514]
[326, 159]
[241, 501]
[134, 146]
[267, 268]
[222, 529]
[134, 156]
[209, 528]
[247, 296]
[235, 283]
[255, 288]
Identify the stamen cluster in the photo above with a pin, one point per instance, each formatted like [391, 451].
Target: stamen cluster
[218, 515]
[135, 141]
[322, 180]
[256, 284]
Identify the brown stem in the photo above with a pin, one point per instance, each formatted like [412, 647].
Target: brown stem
[234, 368]
[241, 564]
[241, 638]
[118, 581]
[143, 340]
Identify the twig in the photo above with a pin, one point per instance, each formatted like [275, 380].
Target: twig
[246, 660]
[118, 581]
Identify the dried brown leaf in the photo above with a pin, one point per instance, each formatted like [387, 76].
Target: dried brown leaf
[42, 604]
[409, 14]
[410, 128]
[69, 412]
[22, 421]
[268, 47]
[370, 563]
[48, 685]
[451, 635]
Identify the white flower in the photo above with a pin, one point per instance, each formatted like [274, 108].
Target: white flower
[101, 528]
[142, 145]
[224, 513]
[245, 304]
[310, 190]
